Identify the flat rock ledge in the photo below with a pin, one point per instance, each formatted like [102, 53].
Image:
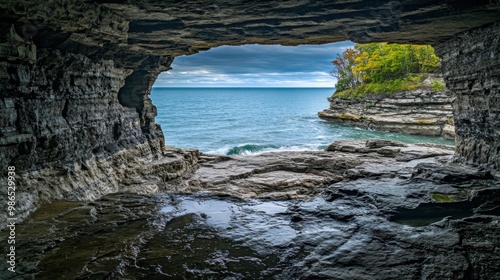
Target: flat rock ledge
[419, 112]
[299, 175]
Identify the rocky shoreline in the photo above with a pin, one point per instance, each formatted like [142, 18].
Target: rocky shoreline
[373, 209]
[420, 112]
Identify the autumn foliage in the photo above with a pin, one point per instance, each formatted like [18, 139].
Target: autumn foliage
[382, 68]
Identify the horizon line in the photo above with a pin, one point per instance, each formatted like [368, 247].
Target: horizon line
[235, 87]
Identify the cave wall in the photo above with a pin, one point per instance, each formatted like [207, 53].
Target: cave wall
[471, 65]
[75, 120]
[64, 128]
[75, 117]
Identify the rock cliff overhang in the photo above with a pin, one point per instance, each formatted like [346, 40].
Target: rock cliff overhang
[75, 75]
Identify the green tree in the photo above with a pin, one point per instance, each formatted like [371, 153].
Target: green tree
[382, 68]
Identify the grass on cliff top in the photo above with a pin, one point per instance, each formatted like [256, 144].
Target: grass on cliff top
[411, 82]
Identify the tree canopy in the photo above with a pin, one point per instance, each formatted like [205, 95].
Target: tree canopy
[382, 68]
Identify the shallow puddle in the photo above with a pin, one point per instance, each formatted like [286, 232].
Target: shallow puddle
[244, 221]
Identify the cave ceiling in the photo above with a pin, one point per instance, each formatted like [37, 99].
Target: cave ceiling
[172, 28]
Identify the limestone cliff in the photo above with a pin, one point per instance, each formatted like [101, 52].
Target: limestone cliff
[75, 117]
[420, 112]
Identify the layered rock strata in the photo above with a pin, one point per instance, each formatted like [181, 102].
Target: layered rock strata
[66, 130]
[471, 64]
[398, 212]
[420, 112]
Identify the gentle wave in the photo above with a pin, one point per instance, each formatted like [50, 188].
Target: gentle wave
[253, 149]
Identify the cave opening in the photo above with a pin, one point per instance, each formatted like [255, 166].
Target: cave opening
[240, 100]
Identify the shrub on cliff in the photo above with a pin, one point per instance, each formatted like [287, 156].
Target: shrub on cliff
[377, 68]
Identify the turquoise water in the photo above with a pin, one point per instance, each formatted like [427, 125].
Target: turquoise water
[244, 121]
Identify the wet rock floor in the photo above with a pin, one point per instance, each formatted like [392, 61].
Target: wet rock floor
[415, 221]
[127, 236]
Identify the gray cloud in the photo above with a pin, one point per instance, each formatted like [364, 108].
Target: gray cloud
[255, 65]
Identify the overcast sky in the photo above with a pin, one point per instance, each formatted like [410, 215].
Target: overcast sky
[255, 66]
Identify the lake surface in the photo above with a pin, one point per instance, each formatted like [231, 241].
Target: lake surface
[232, 121]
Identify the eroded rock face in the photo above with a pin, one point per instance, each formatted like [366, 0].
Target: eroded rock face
[420, 112]
[76, 75]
